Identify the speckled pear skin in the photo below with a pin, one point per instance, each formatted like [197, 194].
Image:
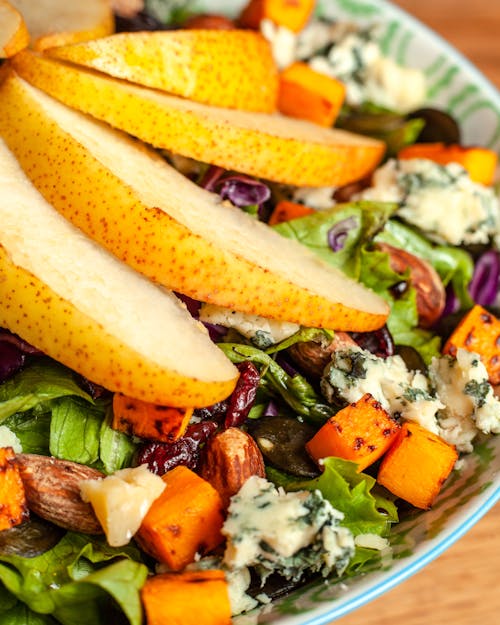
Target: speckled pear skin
[34, 311]
[233, 69]
[273, 147]
[148, 239]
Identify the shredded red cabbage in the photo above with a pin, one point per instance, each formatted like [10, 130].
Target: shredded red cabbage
[483, 287]
[13, 353]
[337, 235]
[240, 190]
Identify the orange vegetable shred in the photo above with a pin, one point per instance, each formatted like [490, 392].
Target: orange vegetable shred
[188, 598]
[479, 332]
[286, 211]
[479, 162]
[360, 432]
[307, 94]
[146, 420]
[13, 506]
[184, 521]
[417, 465]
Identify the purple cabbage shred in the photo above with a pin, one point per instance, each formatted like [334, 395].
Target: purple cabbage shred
[483, 287]
[337, 235]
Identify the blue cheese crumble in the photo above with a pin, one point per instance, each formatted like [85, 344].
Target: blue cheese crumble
[286, 533]
[440, 200]
[352, 55]
[260, 331]
[469, 400]
[455, 401]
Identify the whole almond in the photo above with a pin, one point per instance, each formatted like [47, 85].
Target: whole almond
[230, 458]
[52, 489]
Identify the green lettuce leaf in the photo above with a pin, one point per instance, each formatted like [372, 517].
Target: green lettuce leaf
[78, 581]
[365, 218]
[74, 430]
[354, 494]
[402, 321]
[361, 261]
[116, 449]
[39, 383]
[295, 390]
[32, 428]
[453, 264]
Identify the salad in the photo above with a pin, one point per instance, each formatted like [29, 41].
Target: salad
[119, 510]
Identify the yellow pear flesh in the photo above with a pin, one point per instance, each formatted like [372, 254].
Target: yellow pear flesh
[14, 35]
[230, 68]
[275, 147]
[126, 197]
[70, 298]
[59, 22]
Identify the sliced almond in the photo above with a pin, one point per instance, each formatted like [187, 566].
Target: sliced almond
[52, 489]
[231, 457]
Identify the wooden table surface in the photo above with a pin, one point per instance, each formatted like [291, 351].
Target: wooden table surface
[460, 587]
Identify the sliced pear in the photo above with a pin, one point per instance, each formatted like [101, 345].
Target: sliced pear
[14, 35]
[269, 146]
[70, 298]
[231, 68]
[126, 197]
[58, 22]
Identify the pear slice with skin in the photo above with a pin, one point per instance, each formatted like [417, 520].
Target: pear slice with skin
[14, 35]
[59, 22]
[274, 147]
[80, 305]
[230, 68]
[126, 197]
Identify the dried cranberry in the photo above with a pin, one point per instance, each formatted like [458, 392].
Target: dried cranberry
[243, 395]
[12, 360]
[379, 342]
[216, 412]
[162, 457]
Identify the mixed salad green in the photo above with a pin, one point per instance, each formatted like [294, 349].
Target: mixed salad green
[49, 575]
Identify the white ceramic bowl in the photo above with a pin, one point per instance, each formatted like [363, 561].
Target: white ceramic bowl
[458, 87]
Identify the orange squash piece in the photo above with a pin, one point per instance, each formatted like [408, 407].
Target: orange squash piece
[479, 332]
[479, 162]
[146, 420]
[286, 211]
[292, 14]
[307, 94]
[417, 465]
[361, 432]
[13, 505]
[188, 598]
[184, 521]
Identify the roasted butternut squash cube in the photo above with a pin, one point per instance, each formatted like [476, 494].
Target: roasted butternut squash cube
[13, 505]
[184, 521]
[307, 94]
[417, 465]
[146, 420]
[479, 332]
[187, 598]
[361, 432]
